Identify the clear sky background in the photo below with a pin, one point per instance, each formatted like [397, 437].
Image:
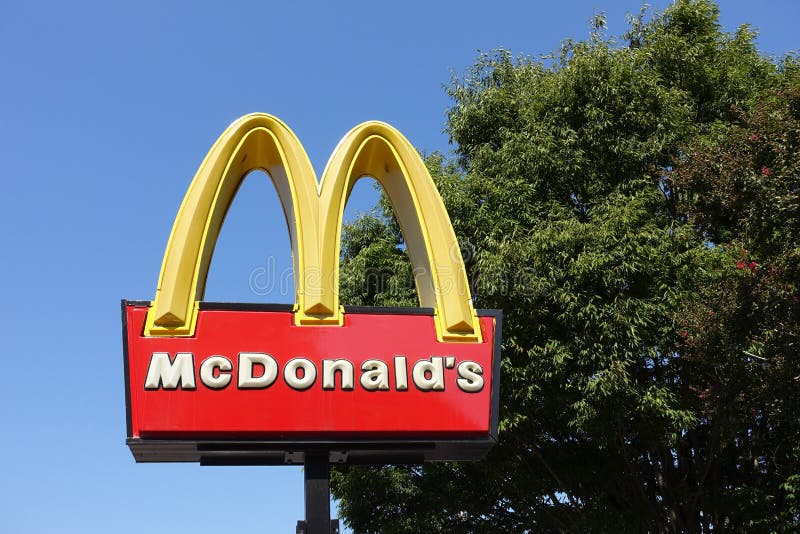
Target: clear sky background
[106, 110]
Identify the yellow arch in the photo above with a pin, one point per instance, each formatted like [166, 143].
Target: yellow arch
[314, 214]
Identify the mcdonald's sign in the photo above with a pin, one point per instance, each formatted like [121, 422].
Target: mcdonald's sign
[222, 383]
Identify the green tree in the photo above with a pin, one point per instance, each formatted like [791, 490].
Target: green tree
[650, 375]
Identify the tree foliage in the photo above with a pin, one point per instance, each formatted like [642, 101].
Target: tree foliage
[632, 205]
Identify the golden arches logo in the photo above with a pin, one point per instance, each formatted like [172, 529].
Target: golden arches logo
[314, 213]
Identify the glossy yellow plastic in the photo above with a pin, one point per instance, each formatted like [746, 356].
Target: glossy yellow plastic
[314, 213]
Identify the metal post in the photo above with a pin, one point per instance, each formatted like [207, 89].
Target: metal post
[318, 500]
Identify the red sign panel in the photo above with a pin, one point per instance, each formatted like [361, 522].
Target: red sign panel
[251, 387]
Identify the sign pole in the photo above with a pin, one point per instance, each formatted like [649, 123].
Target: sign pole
[316, 474]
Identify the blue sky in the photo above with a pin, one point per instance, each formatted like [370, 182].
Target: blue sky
[105, 112]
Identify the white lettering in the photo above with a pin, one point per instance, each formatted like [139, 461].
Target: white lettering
[400, 373]
[329, 368]
[168, 374]
[259, 370]
[470, 377]
[247, 378]
[428, 375]
[300, 382]
[222, 365]
[375, 375]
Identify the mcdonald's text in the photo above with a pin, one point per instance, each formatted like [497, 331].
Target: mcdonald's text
[259, 370]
